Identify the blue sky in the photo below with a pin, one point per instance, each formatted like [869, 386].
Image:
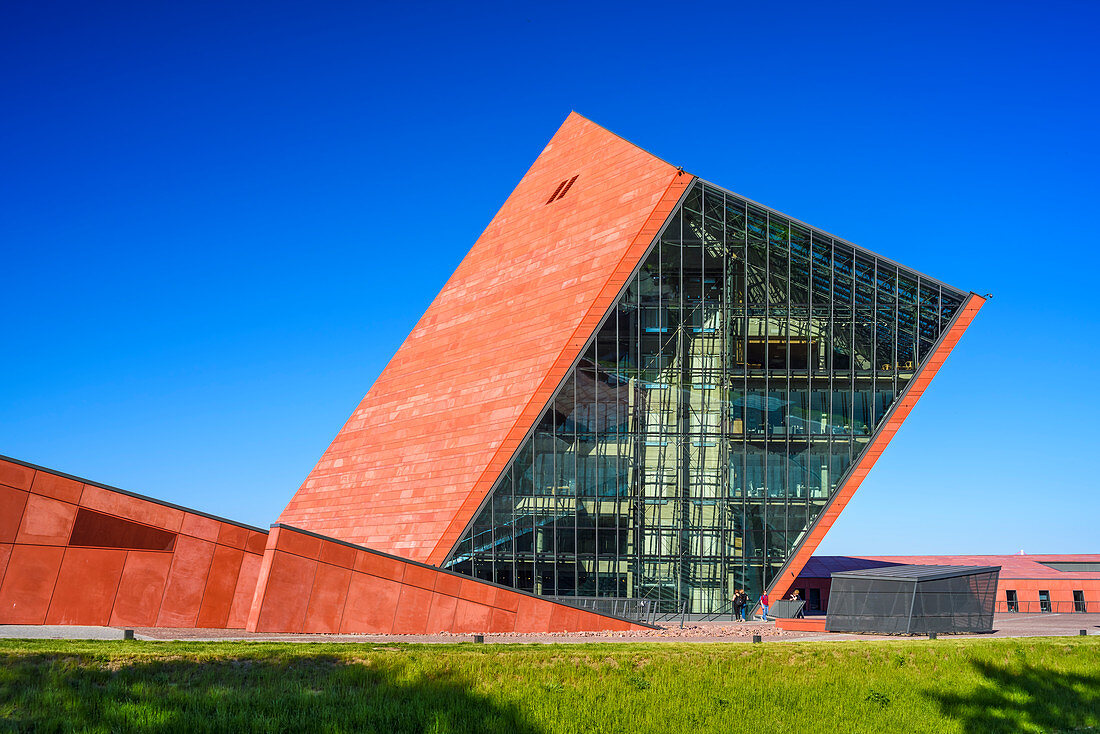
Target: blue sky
[218, 222]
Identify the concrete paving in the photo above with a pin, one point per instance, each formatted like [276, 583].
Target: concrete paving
[1006, 625]
[62, 632]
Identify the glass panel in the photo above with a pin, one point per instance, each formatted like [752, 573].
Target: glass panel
[721, 404]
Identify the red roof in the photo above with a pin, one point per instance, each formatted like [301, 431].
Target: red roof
[416, 458]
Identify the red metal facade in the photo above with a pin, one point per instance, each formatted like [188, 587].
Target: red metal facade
[410, 467]
[206, 578]
[315, 584]
[191, 570]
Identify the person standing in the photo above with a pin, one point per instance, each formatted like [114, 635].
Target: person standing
[795, 597]
[744, 603]
[737, 606]
[764, 604]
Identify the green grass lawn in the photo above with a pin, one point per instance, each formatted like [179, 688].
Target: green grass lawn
[1009, 685]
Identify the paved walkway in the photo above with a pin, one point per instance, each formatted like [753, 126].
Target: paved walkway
[61, 632]
[1006, 625]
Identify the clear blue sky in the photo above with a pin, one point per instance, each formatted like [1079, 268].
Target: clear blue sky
[218, 222]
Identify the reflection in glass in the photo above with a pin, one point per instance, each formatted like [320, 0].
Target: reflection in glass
[720, 405]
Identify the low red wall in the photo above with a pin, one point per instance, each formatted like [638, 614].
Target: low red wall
[313, 584]
[73, 552]
[809, 624]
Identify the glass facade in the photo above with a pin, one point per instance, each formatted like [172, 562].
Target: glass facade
[708, 422]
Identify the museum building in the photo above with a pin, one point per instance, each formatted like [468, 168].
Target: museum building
[637, 385]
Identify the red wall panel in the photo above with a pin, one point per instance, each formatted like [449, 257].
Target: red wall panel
[233, 536]
[5, 554]
[141, 590]
[371, 604]
[413, 606]
[17, 476]
[131, 508]
[186, 582]
[441, 614]
[245, 590]
[46, 521]
[203, 574]
[221, 584]
[29, 584]
[369, 592]
[58, 487]
[288, 585]
[86, 586]
[198, 526]
[12, 503]
[471, 617]
[326, 601]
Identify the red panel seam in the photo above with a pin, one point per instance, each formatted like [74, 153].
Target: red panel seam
[53, 587]
[236, 580]
[4, 573]
[22, 514]
[34, 473]
[312, 589]
[343, 597]
[205, 581]
[118, 584]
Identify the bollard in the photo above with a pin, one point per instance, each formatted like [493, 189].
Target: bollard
[1083, 633]
[757, 638]
[127, 634]
[479, 638]
[931, 635]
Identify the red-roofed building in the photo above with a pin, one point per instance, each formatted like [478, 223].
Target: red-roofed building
[1028, 583]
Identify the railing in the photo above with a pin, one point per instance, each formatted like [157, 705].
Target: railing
[722, 611]
[1045, 607]
[786, 608]
[649, 611]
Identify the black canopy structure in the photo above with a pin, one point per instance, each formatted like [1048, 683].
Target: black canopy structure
[901, 600]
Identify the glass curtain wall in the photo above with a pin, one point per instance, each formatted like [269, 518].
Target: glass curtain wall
[713, 415]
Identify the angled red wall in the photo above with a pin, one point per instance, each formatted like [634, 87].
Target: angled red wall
[782, 584]
[205, 578]
[314, 584]
[416, 458]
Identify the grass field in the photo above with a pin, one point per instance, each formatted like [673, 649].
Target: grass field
[1009, 685]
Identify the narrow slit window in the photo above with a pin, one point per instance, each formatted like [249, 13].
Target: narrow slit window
[561, 190]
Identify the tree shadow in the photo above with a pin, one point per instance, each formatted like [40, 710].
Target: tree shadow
[59, 692]
[1024, 697]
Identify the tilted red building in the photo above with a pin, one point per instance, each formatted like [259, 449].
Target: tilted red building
[636, 386]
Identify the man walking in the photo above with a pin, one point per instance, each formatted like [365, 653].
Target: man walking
[764, 604]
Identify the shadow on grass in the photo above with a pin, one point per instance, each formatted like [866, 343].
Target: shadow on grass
[1013, 698]
[60, 692]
